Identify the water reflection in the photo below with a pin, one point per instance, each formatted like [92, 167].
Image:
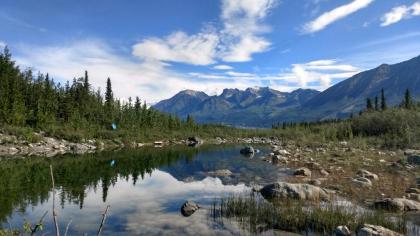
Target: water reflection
[144, 187]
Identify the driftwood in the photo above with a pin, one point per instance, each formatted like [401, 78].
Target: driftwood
[67, 227]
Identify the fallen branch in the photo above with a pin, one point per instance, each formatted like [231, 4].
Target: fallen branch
[103, 221]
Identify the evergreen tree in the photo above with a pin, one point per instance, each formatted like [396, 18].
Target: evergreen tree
[383, 101]
[376, 103]
[109, 97]
[369, 105]
[408, 101]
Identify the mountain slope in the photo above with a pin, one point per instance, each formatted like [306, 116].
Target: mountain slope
[261, 107]
[350, 95]
[249, 107]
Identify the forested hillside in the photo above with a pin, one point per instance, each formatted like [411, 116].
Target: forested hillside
[37, 101]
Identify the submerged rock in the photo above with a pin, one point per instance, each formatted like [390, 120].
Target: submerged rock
[376, 230]
[397, 204]
[414, 160]
[189, 208]
[282, 190]
[303, 172]
[248, 150]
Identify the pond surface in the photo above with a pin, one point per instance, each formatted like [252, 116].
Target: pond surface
[145, 189]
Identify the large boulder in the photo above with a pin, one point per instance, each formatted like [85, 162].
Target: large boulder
[397, 204]
[375, 230]
[303, 172]
[282, 190]
[189, 208]
[414, 160]
[367, 174]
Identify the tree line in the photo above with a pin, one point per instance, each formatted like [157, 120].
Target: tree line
[40, 102]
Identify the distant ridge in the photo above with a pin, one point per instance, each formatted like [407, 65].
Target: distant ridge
[261, 107]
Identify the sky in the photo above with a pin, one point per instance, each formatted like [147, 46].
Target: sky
[154, 49]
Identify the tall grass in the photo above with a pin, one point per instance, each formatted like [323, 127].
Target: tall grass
[256, 214]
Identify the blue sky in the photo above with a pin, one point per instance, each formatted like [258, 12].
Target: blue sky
[155, 48]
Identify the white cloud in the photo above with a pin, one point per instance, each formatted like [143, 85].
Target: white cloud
[198, 49]
[238, 39]
[223, 67]
[336, 14]
[239, 74]
[399, 13]
[2, 44]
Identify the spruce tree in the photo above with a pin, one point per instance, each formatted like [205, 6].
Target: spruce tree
[383, 100]
[369, 105]
[407, 99]
[376, 103]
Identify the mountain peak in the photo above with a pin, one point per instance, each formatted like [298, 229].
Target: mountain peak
[192, 92]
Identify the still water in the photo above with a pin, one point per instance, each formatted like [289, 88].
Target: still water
[144, 188]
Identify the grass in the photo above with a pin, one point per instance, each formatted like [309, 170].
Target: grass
[257, 215]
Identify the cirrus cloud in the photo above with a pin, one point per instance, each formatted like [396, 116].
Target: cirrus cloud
[334, 15]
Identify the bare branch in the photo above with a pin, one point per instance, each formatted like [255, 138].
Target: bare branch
[57, 230]
[103, 221]
[67, 227]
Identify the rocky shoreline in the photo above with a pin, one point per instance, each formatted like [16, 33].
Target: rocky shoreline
[12, 146]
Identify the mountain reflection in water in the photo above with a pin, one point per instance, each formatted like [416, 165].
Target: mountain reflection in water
[145, 188]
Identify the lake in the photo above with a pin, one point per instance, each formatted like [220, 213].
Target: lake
[145, 189]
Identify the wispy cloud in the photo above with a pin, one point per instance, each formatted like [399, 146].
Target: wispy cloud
[399, 13]
[20, 22]
[238, 39]
[334, 15]
[2, 44]
[222, 67]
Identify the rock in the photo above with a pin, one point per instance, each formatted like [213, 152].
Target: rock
[278, 159]
[362, 182]
[413, 160]
[256, 188]
[281, 152]
[282, 190]
[220, 173]
[397, 204]
[411, 152]
[324, 172]
[414, 196]
[303, 172]
[193, 141]
[367, 174]
[189, 208]
[413, 190]
[247, 150]
[375, 230]
[342, 230]
[315, 182]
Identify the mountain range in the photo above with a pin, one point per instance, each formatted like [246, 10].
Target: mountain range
[261, 107]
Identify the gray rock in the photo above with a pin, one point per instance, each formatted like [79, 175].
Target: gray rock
[193, 141]
[277, 159]
[367, 174]
[397, 204]
[282, 190]
[324, 172]
[362, 182]
[375, 230]
[189, 208]
[315, 182]
[342, 230]
[303, 172]
[281, 152]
